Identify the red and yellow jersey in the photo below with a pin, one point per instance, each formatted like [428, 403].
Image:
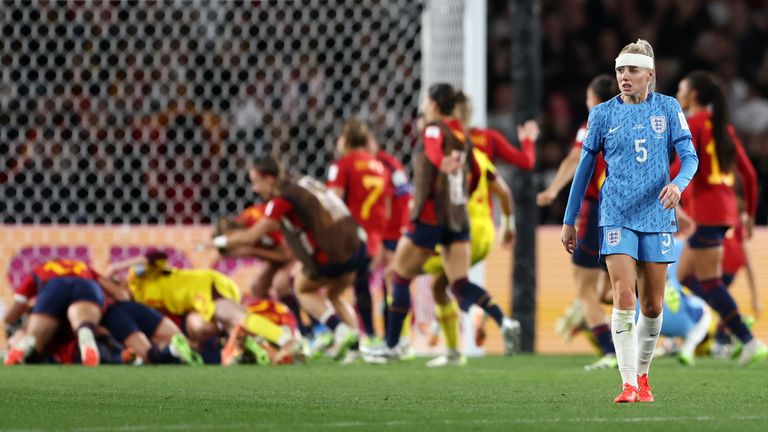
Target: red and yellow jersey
[598, 175]
[253, 214]
[274, 311]
[401, 196]
[710, 199]
[32, 283]
[494, 145]
[363, 179]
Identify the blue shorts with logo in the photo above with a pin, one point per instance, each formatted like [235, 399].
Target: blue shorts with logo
[642, 246]
[707, 237]
[57, 294]
[428, 236]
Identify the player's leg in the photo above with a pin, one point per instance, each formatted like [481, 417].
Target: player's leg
[447, 314]
[363, 299]
[346, 336]
[198, 329]
[282, 283]
[263, 280]
[84, 314]
[648, 328]
[700, 314]
[412, 252]
[37, 333]
[705, 253]
[456, 259]
[586, 279]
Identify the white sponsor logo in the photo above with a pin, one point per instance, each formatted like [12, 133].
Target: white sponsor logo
[612, 130]
[333, 171]
[683, 121]
[432, 132]
[658, 124]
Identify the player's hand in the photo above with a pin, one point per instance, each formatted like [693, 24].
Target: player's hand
[749, 224]
[508, 236]
[451, 163]
[669, 196]
[568, 237]
[528, 131]
[545, 198]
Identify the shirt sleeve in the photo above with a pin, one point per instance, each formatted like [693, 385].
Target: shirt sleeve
[400, 184]
[747, 174]
[524, 157]
[26, 290]
[680, 136]
[277, 208]
[579, 186]
[593, 136]
[337, 176]
[433, 144]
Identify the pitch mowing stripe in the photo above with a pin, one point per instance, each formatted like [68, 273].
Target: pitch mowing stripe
[396, 423]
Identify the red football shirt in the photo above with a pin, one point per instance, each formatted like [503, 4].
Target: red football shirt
[278, 208]
[494, 145]
[253, 214]
[432, 137]
[401, 196]
[363, 179]
[34, 280]
[710, 199]
[598, 175]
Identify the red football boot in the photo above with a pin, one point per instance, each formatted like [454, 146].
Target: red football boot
[645, 389]
[628, 395]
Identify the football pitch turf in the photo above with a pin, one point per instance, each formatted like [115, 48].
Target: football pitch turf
[522, 393]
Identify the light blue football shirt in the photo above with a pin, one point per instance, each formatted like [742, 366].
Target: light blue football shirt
[638, 142]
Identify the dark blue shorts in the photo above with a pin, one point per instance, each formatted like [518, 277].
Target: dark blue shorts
[352, 265]
[728, 279]
[58, 293]
[122, 319]
[707, 237]
[587, 254]
[389, 245]
[428, 236]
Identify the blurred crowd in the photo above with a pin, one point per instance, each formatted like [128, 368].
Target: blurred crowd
[581, 38]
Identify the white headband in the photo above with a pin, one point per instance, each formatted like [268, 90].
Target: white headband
[640, 60]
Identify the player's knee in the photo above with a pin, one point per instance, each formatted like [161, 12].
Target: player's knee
[651, 307]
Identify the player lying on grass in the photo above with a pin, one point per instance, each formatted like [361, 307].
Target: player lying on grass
[209, 299]
[130, 323]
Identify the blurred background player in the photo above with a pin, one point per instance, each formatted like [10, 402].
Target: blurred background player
[277, 263]
[484, 183]
[711, 203]
[321, 234]
[213, 297]
[439, 216]
[493, 144]
[589, 274]
[62, 291]
[360, 180]
[637, 201]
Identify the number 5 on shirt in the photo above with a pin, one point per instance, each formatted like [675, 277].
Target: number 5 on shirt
[640, 149]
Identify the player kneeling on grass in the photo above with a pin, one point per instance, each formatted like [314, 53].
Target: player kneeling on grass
[212, 296]
[62, 290]
[321, 234]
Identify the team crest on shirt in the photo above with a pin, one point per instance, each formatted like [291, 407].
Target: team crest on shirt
[613, 236]
[658, 124]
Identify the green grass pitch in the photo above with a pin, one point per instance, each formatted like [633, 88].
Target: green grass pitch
[546, 393]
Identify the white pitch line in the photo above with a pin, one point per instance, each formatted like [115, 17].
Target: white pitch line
[394, 423]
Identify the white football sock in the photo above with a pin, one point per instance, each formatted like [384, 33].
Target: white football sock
[623, 332]
[647, 331]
